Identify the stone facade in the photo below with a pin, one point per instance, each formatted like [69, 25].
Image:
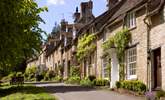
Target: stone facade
[147, 34]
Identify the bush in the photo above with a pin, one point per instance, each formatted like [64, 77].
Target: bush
[73, 80]
[57, 79]
[49, 75]
[39, 77]
[118, 84]
[136, 86]
[30, 73]
[91, 77]
[86, 82]
[19, 74]
[160, 94]
[74, 71]
[101, 82]
[8, 78]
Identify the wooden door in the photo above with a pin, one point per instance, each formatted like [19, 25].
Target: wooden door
[157, 68]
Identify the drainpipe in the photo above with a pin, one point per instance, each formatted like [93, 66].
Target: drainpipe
[148, 48]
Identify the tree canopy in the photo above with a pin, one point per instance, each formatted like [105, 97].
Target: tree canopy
[20, 35]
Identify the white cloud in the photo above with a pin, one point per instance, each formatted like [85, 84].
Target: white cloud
[55, 2]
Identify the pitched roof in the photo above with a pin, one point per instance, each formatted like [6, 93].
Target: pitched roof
[131, 4]
[101, 20]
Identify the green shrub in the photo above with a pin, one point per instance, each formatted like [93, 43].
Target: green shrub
[30, 73]
[136, 86]
[12, 75]
[101, 82]
[91, 77]
[86, 82]
[118, 84]
[57, 79]
[73, 80]
[74, 71]
[39, 77]
[49, 75]
[19, 74]
[160, 94]
[8, 78]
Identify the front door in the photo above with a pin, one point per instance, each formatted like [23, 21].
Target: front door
[157, 68]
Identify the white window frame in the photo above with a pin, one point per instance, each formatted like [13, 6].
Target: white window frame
[130, 20]
[131, 59]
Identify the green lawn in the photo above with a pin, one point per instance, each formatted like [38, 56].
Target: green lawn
[26, 92]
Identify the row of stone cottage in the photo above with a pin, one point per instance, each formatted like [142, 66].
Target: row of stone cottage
[145, 53]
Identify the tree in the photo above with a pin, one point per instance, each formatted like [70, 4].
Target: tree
[20, 35]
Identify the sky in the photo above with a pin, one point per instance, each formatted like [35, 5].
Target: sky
[59, 9]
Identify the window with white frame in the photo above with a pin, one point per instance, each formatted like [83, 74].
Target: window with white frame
[105, 72]
[131, 63]
[130, 20]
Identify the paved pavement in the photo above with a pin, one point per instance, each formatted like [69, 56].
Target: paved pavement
[67, 92]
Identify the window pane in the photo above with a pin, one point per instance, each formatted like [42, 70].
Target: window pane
[131, 61]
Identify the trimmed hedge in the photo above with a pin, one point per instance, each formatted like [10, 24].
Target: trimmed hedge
[136, 86]
[73, 80]
[101, 82]
[86, 82]
[160, 94]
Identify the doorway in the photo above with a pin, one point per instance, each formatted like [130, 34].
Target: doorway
[157, 69]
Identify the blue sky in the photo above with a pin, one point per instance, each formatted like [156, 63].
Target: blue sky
[59, 9]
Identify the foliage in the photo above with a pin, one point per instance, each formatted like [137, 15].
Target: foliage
[160, 94]
[30, 72]
[20, 35]
[85, 46]
[25, 92]
[101, 82]
[73, 80]
[107, 45]
[58, 79]
[74, 71]
[86, 82]
[136, 86]
[91, 77]
[49, 75]
[120, 41]
[61, 70]
[19, 74]
[118, 84]
[11, 75]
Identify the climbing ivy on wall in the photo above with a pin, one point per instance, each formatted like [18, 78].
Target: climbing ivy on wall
[120, 41]
[85, 46]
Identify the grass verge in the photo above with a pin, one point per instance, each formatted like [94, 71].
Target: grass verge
[25, 92]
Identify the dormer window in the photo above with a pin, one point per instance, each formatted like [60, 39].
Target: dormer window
[130, 20]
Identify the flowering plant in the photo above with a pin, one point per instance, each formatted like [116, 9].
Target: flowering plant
[150, 95]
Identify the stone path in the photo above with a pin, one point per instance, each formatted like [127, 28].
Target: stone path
[68, 92]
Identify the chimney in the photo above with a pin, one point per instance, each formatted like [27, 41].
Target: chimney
[76, 15]
[86, 8]
[112, 3]
[63, 25]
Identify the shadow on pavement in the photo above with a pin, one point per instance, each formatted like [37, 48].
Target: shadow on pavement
[63, 89]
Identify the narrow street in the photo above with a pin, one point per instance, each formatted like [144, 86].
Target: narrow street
[67, 92]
